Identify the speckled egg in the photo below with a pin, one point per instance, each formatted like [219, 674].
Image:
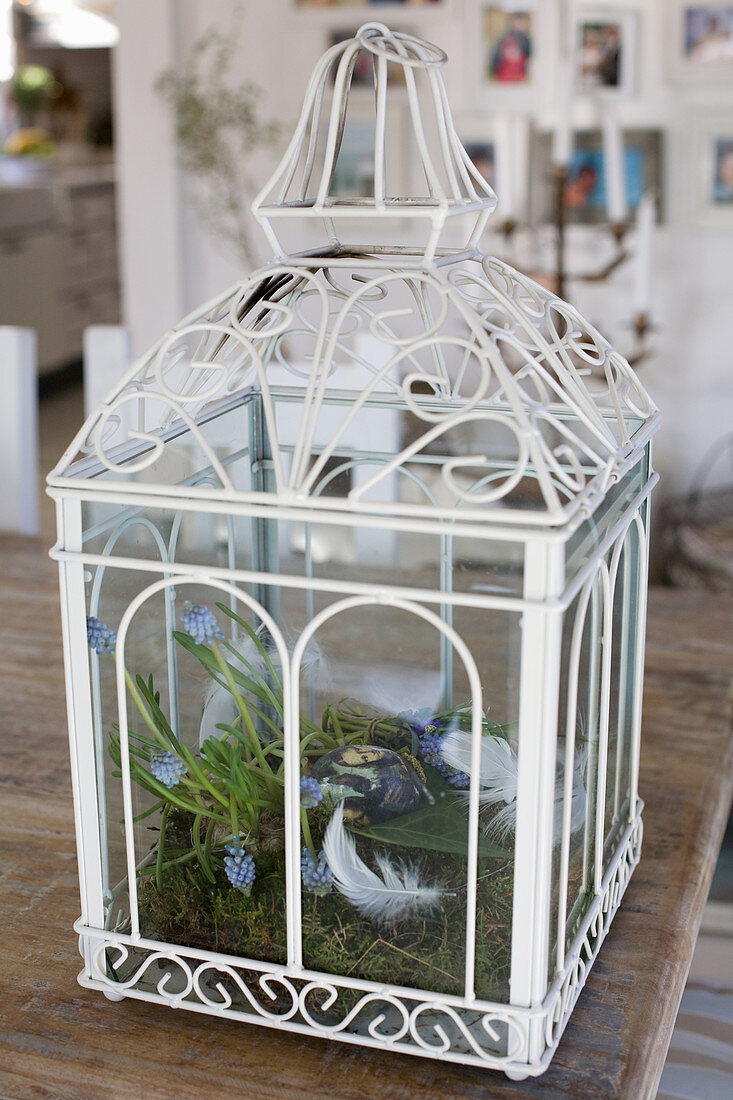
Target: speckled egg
[375, 784]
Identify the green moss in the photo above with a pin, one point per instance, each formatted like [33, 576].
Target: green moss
[421, 952]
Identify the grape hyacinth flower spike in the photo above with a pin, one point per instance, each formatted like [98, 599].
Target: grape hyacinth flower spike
[239, 866]
[431, 741]
[317, 877]
[167, 768]
[310, 793]
[200, 623]
[99, 636]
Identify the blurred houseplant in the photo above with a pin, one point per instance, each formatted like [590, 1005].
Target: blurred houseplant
[218, 126]
[33, 88]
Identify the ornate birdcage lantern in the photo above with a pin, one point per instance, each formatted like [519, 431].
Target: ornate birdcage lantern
[353, 576]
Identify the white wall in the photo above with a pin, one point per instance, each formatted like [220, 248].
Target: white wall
[170, 264]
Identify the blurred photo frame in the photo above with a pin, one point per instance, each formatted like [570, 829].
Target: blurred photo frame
[498, 147]
[507, 39]
[508, 50]
[604, 51]
[585, 189]
[700, 42]
[476, 134]
[714, 160]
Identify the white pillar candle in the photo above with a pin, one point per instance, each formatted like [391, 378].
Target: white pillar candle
[562, 138]
[614, 171]
[520, 146]
[504, 165]
[644, 250]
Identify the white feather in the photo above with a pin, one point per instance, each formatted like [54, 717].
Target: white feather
[498, 777]
[497, 770]
[219, 707]
[399, 893]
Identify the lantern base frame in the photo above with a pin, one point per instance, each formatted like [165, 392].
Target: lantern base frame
[408, 1016]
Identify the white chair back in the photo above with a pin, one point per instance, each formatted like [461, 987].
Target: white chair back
[19, 485]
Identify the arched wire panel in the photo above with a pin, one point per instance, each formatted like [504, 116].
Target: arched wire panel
[633, 556]
[292, 762]
[598, 595]
[99, 751]
[295, 945]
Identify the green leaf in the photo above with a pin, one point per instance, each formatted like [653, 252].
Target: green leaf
[439, 828]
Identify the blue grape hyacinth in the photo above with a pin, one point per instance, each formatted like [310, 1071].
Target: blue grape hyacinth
[431, 750]
[99, 636]
[239, 866]
[167, 768]
[310, 792]
[200, 622]
[317, 877]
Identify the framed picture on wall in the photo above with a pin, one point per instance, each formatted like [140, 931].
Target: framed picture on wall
[604, 51]
[498, 146]
[476, 133]
[586, 193]
[700, 46]
[714, 160]
[507, 42]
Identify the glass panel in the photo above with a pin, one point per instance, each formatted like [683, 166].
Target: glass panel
[621, 712]
[584, 714]
[577, 761]
[204, 722]
[389, 817]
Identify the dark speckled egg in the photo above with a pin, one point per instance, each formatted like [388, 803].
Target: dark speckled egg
[375, 784]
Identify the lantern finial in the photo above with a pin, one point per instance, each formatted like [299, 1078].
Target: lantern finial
[305, 184]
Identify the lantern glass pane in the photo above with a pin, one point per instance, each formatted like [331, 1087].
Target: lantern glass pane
[389, 689]
[577, 763]
[624, 688]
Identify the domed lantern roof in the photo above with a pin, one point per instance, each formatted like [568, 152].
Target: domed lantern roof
[512, 398]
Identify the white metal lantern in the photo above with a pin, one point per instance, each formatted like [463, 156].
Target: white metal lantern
[353, 579]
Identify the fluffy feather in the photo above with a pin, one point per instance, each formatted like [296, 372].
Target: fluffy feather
[219, 706]
[498, 782]
[399, 893]
[498, 768]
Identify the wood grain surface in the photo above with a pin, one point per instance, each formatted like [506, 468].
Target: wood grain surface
[63, 1042]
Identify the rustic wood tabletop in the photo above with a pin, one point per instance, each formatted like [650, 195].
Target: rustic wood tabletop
[63, 1042]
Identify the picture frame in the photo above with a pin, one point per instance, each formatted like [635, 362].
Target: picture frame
[476, 133]
[714, 161]
[498, 145]
[488, 25]
[585, 195]
[603, 51]
[507, 36]
[699, 43]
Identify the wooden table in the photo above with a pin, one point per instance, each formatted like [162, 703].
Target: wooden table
[63, 1042]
